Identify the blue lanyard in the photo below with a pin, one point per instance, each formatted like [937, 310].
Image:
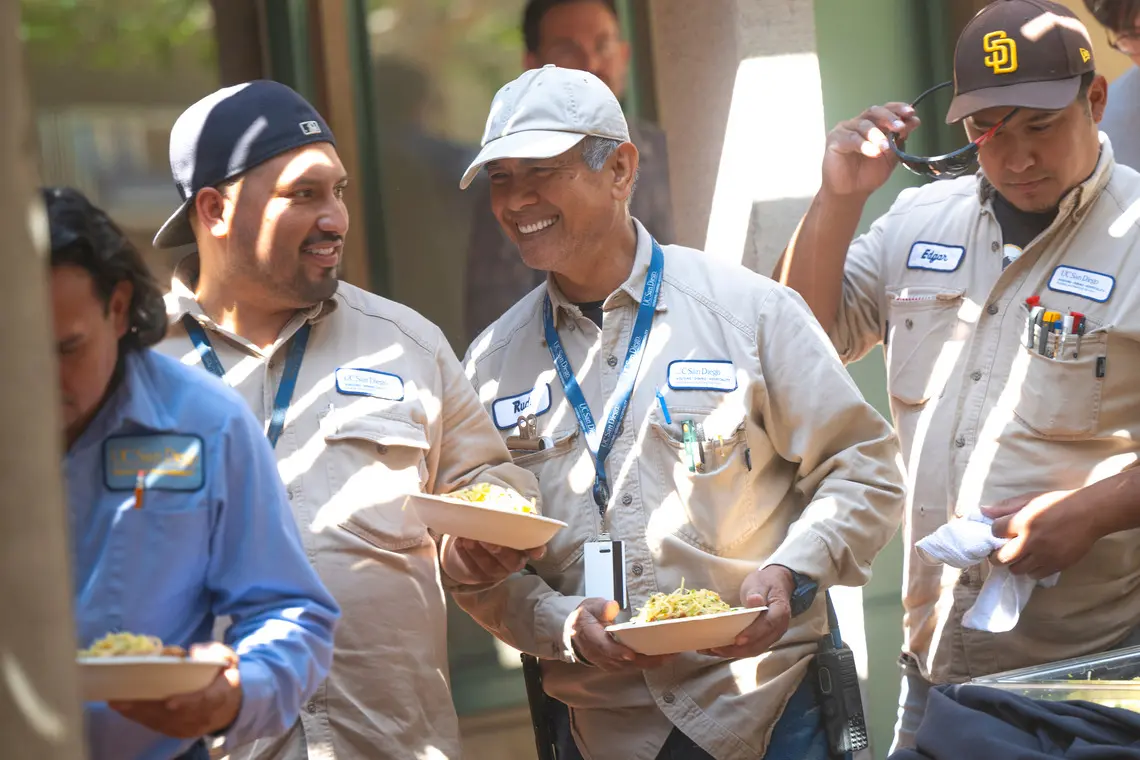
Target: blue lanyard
[600, 449]
[288, 377]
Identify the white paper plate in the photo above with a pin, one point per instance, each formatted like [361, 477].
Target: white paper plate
[467, 519]
[685, 634]
[128, 678]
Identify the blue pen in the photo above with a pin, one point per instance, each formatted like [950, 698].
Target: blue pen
[664, 407]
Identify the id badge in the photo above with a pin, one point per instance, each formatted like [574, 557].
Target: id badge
[605, 570]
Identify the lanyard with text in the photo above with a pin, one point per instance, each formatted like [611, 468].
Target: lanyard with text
[288, 377]
[600, 449]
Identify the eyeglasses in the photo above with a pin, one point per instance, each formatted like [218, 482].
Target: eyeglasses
[949, 165]
[1127, 43]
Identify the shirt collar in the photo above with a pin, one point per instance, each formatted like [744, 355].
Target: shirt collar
[628, 293]
[135, 403]
[182, 301]
[1077, 200]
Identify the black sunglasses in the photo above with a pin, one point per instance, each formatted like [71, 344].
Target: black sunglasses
[949, 165]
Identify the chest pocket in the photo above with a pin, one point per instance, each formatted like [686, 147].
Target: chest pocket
[921, 321]
[716, 499]
[1060, 398]
[162, 552]
[552, 467]
[374, 462]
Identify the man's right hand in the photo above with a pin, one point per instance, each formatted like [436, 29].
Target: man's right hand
[858, 160]
[600, 649]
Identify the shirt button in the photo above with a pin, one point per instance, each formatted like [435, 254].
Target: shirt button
[311, 707]
[627, 499]
[291, 493]
[995, 246]
[909, 323]
[612, 361]
[992, 309]
[976, 375]
[960, 441]
[638, 569]
[573, 327]
[668, 697]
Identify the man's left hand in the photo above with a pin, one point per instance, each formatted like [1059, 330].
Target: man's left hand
[474, 563]
[771, 586]
[194, 715]
[1048, 532]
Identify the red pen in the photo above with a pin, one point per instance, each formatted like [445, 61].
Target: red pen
[140, 485]
[1033, 301]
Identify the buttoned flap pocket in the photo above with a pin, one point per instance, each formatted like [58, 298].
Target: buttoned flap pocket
[715, 497]
[552, 467]
[920, 324]
[374, 462]
[1060, 397]
[557, 445]
[163, 546]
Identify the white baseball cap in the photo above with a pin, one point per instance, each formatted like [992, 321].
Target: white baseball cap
[546, 112]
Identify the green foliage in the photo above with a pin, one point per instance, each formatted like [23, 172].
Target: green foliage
[119, 34]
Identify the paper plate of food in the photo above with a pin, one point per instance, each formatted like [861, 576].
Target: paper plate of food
[487, 512]
[128, 666]
[687, 620]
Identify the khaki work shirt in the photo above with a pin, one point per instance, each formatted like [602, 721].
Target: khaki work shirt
[347, 461]
[807, 477]
[981, 417]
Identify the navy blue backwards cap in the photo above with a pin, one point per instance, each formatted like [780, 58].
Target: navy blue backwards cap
[229, 132]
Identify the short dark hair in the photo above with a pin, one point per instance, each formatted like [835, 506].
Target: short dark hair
[536, 10]
[1117, 15]
[83, 235]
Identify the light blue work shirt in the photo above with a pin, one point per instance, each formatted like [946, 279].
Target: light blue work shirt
[214, 537]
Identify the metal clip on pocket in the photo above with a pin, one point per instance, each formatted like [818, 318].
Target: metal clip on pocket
[527, 439]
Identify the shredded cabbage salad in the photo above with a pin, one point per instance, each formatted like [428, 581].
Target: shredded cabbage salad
[682, 603]
[498, 497]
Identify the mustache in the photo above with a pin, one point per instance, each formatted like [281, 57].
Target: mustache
[322, 237]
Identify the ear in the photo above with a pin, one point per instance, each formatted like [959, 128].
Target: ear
[624, 164]
[119, 307]
[212, 212]
[530, 61]
[1098, 97]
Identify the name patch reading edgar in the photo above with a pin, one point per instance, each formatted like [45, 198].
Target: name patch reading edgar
[935, 256]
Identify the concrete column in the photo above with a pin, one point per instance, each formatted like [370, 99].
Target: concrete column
[39, 704]
[740, 98]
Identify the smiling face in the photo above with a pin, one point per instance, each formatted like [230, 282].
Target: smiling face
[583, 35]
[1038, 156]
[554, 209]
[282, 226]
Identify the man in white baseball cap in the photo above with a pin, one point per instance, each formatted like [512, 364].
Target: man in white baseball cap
[680, 414]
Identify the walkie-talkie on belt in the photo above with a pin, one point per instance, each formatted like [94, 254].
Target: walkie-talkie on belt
[836, 683]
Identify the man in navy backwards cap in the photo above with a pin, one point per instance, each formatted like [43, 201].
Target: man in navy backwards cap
[362, 398]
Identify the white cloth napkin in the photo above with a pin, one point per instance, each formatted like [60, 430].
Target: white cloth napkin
[969, 541]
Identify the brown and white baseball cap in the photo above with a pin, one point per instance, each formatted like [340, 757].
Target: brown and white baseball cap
[1020, 53]
[546, 112]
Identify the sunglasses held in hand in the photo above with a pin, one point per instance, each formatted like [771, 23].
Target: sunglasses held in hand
[949, 165]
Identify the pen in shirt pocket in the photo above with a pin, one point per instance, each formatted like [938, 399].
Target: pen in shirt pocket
[664, 407]
[140, 486]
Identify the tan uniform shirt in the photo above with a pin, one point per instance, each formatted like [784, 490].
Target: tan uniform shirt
[982, 417]
[807, 477]
[348, 454]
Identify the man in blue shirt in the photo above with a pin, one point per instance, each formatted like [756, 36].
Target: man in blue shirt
[209, 535]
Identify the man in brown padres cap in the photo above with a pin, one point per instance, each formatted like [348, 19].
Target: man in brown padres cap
[1004, 303]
